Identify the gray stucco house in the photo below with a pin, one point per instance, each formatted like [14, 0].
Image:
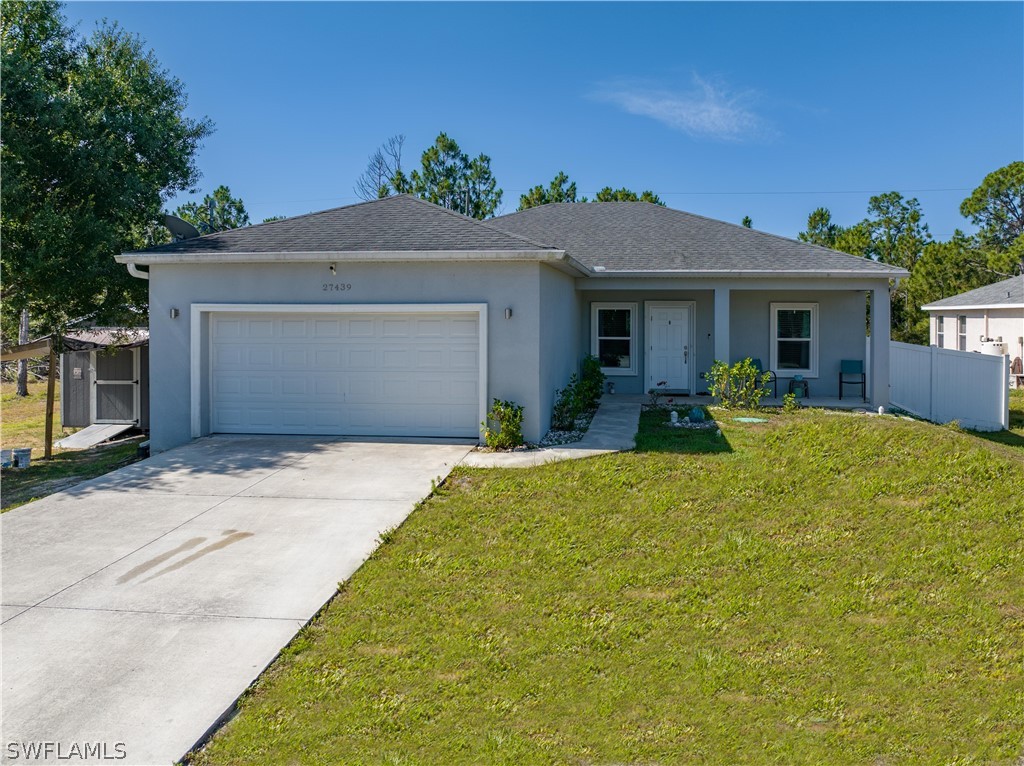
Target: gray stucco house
[400, 318]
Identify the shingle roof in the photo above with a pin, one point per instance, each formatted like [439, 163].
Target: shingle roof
[394, 224]
[643, 237]
[1009, 292]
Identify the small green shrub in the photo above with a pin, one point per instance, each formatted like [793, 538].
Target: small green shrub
[790, 403]
[564, 413]
[740, 386]
[591, 384]
[581, 394]
[657, 392]
[508, 420]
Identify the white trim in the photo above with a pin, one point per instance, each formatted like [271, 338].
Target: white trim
[635, 311]
[135, 384]
[143, 258]
[972, 307]
[196, 335]
[691, 340]
[773, 350]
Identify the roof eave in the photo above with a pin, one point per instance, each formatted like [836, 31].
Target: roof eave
[753, 273]
[350, 256]
[971, 306]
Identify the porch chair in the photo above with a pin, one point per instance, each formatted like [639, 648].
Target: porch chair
[851, 373]
[772, 378]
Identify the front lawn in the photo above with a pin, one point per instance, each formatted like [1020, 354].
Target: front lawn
[819, 588]
[23, 425]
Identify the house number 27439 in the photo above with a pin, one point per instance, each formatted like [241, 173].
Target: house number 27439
[337, 287]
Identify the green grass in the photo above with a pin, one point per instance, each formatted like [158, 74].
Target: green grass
[1014, 437]
[23, 425]
[64, 470]
[820, 588]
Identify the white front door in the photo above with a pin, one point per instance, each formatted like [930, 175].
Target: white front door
[668, 347]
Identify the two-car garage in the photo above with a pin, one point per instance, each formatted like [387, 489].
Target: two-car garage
[374, 370]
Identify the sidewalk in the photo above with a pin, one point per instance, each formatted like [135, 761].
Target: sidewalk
[612, 430]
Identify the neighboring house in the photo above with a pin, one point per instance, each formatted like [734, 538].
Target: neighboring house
[989, 319]
[104, 377]
[397, 317]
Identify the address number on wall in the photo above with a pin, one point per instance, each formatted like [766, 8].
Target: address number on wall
[337, 287]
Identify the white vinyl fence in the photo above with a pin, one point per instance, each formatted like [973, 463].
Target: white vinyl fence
[940, 385]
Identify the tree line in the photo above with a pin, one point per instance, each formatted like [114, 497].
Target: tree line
[896, 233]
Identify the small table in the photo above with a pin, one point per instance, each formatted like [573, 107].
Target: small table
[800, 388]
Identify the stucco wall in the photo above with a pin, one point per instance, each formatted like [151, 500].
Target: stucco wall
[513, 356]
[704, 330]
[841, 328]
[559, 351]
[1005, 323]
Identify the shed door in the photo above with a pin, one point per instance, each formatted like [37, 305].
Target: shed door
[350, 374]
[116, 386]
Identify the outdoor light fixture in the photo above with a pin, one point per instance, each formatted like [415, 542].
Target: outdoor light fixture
[175, 313]
[334, 268]
[508, 313]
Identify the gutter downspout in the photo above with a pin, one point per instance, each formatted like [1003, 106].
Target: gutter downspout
[135, 272]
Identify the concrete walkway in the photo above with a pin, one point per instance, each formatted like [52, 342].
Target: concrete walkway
[613, 429]
[139, 605]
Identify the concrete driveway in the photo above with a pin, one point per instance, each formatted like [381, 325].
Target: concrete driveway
[138, 606]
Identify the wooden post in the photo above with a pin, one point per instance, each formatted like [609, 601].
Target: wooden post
[51, 379]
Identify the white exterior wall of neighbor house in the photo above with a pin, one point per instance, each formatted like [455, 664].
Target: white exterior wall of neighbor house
[1007, 323]
[514, 345]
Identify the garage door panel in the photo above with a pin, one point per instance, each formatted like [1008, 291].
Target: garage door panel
[360, 374]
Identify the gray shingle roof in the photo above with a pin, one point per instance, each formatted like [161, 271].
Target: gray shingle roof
[640, 236]
[394, 224]
[1009, 292]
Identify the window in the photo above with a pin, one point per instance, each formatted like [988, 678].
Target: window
[612, 328]
[961, 333]
[940, 331]
[794, 337]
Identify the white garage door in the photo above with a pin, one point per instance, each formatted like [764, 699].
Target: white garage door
[359, 374]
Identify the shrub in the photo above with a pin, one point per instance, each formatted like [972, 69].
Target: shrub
[508, 419]
[581, 394]
[657, 393]
[564, 413]
[790, 403]
[739, 386]
[591, 384]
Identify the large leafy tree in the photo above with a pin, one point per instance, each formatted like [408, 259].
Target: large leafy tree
[217, 212]
[449, 177]
[996, 207]
[561, 189]
[95, 140]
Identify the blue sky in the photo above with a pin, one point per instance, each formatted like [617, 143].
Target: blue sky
[721, 108]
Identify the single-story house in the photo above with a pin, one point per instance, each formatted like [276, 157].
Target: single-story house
[989, 319]
[397, 317]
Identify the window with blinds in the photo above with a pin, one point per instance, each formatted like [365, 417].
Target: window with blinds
[612, 337]
[794, 330]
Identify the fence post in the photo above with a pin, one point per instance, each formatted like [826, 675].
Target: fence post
[1004, 414]
[932, 383]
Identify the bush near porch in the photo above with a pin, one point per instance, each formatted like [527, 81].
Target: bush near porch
[819, 588]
